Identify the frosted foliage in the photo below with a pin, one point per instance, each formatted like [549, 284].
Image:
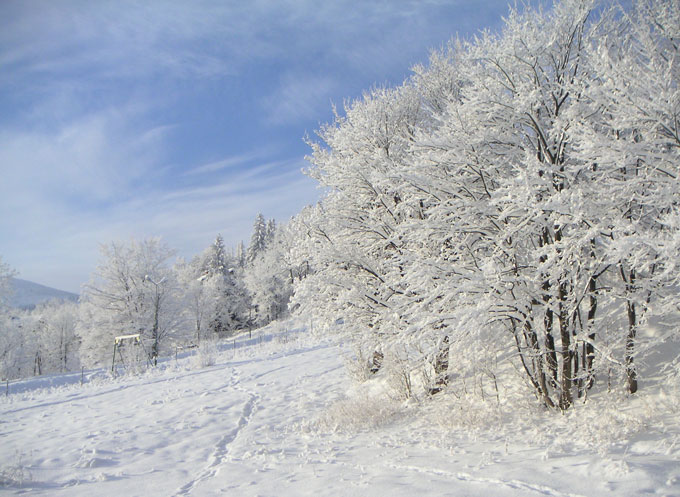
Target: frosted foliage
[6, 273]
[13, 348]
[206, 354]
[195, 299]
[269, 278]
[214, 259]
[11, 336]
[56, 338]
[214, 296]
[259, 238]
[132, 291]
[515, 202]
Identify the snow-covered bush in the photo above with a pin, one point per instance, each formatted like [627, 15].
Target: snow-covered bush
[15, 474]
[358, 412]
[400, 375]
[206, 354]
[358, 364]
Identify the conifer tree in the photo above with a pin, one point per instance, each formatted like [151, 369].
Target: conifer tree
[258, 240]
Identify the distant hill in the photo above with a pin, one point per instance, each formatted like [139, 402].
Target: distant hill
[28, 294]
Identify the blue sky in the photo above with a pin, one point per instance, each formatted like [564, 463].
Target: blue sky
[180, 119]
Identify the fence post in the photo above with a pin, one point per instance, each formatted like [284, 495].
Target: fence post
[113, 360]
[82, 375]
[7, 390]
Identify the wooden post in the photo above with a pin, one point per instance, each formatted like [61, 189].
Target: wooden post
[7, 388]
[82, 375]
[113, 361]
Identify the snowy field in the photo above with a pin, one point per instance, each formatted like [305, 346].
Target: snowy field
[278, 416]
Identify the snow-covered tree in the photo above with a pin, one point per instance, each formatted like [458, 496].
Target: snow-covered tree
[57, 338]
[15, 359]
[130, 292]
[519, 193]
[11, 336]
[271, 232]
[6, 275]
[358, 236]
[222, 290]
[195, 299]
[241, 255]
[258, 240]
[523, 98]
[269, 278]
[214, 259]
[630, 144]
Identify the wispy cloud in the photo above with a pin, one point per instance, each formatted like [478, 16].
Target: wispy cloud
[187, 218]
[180, 119]
[236, 161]
[299, 97]
[94, 157]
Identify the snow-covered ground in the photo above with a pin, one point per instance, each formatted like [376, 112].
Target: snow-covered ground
[278, 416]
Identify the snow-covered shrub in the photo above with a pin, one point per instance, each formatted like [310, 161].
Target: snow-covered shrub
[358, 364]
[359, 412]
[400, 376]
[15, 474]
[206, 354]
[467, 412]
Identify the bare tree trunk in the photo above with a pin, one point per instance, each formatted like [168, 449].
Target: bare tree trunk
[566, 397]
[376, 362]
[631, 373]
[630, 350]
[548, 320]
[538, 377]
[154, 331]
[37, 367]
[441, 367]
[64, 363]
[589, 347]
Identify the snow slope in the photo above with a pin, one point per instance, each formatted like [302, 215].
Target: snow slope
[26, 294]
[277, 416]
